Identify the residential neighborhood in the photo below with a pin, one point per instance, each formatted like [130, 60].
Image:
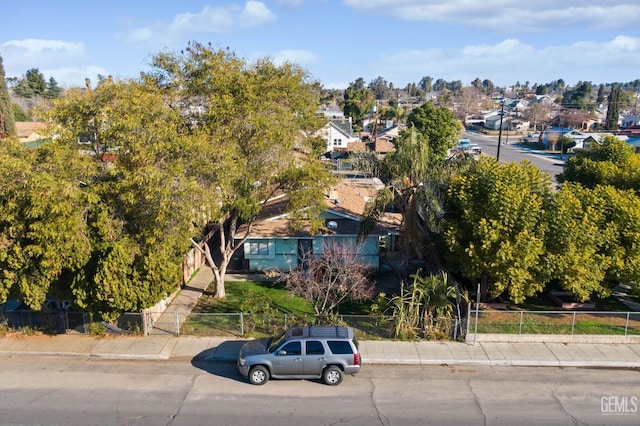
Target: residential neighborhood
[360, 141]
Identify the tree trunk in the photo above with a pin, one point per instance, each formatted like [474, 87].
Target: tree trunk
[228, 246]
[218, 272]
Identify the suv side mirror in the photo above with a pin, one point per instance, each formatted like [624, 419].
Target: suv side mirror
[282, 353]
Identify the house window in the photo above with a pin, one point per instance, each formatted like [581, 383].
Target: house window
[337, 141]
[259, 248]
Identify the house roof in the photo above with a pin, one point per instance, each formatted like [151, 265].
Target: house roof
[346, 203]
[383, 146]
[27, 128]
[343, 126]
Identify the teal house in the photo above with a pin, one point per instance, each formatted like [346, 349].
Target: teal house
[273, 245]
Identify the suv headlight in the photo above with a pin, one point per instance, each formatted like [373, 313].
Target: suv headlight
[242, 361]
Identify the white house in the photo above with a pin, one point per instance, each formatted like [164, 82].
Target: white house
[338, 134]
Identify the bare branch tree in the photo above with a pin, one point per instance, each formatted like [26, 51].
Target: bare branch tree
[328, 280]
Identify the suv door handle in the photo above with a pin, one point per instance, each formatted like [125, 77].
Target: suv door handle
[321, 358]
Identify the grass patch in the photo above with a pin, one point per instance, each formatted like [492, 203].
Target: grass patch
[237, 292]
[266, 307]
[558, 323]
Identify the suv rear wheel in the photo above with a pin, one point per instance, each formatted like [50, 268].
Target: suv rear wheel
[259, 375]
[332, 375]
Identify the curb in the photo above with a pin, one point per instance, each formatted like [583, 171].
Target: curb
[45, 353]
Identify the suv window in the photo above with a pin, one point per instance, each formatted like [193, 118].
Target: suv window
[339, 347]
[292, 348]
[314, 347]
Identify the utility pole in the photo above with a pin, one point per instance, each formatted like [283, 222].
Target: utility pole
[500, 130]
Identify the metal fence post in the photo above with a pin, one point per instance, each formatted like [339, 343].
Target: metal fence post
[475, 331]
[468, 318]
[521, 320]
[241, 324]
[177, 332]
[626, 326]
[573, 323]
[455, 329]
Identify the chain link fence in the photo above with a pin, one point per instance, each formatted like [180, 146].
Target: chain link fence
[54, 322]
[556, 322]
[369, 327]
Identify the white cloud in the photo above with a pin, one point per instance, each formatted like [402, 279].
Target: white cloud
[75, 77]
[255, 14]
[505, 16]
[223, 19]
[290, 3]
[51, 57]
[27, 52]
[511, 60]
[208, 20]
[300, 57]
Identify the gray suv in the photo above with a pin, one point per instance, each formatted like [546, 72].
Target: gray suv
[310, 352]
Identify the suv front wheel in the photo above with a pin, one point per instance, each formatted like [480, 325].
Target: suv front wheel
[259, 375]
[332, 375]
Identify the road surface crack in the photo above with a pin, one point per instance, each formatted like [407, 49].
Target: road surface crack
[184, 401]
[477, 401]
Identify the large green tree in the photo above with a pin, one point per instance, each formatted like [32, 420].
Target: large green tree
[7, 121]
[250, 119]
[593, 239]
[613, 108]
[609, 161]
[44, 234]
[494, 227]
[145, 194]
[438, 125]
[358, 101]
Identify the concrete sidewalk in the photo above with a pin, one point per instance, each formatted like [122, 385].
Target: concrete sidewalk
[187, 348]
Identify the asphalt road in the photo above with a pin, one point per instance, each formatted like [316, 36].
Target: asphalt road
[512, 152]
[40, 390]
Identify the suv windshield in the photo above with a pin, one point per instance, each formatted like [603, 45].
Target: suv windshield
[274, 342]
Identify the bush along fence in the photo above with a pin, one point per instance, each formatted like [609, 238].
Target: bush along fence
[370, 327]
[51, 322]
[479, 322]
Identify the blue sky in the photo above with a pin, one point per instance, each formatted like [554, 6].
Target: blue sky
[337, 41]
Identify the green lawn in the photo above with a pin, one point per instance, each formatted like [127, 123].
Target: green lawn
[268, 308]
[259, 292]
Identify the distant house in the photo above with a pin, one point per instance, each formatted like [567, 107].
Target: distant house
[631, 121]
[338, 133]
[582, 139]
[517, 105]
[541, 99]
[330, 114]
[273, 244]
[493, 122]
[30, 131]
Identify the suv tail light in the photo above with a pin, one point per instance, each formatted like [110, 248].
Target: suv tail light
[356, 359]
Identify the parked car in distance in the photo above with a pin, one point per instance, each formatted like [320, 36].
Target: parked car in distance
[309, 352]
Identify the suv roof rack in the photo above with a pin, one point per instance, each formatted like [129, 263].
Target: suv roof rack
[328, 331]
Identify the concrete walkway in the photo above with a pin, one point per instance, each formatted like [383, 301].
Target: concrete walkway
[187, 298]
[221, 349]
[162, 345]
[184, 302]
